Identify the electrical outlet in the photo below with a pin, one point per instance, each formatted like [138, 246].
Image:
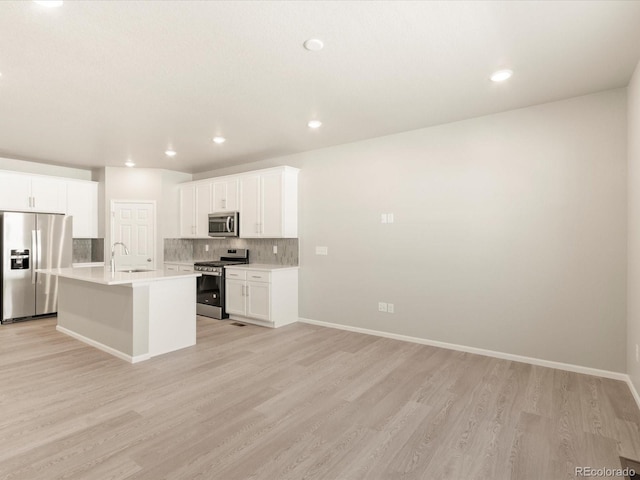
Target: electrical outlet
[390, 308]
[275, 249]
[206, 248]
[382, 307]
[383, 218]
[322, 250]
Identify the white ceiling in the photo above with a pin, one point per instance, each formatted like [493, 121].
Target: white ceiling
[95, 83]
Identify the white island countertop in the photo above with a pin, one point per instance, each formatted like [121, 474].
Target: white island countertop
[103, 276]
[262, 267]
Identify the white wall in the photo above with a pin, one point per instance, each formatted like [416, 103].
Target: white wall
[152, 184]
[44, 169]
[509, 233]
[633, 246]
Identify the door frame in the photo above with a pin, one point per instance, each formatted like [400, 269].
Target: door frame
[112, 213]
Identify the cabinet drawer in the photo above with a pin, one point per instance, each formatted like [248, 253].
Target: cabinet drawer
[185, 268]
[255, 276]
[235, 274]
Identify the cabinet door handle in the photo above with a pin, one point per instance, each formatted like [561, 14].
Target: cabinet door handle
[224, 203]
[247, 287]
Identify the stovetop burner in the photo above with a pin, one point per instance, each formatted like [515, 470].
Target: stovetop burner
[218, 263]
[234, 256]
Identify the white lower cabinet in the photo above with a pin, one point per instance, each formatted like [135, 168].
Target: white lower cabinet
[267, 297]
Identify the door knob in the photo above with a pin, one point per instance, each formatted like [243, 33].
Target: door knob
[148, 259]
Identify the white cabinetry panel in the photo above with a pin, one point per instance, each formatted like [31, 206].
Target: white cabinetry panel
[82, 204]
[265, 298]
[32, 193]
[15, 192]
[49, 194]
[225, 195]
[203, 209]
[267, 201]
[188, 210]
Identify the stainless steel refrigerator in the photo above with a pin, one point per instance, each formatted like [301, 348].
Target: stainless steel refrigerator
[30, 241]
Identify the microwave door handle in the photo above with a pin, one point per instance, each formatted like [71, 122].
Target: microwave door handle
[229, 224]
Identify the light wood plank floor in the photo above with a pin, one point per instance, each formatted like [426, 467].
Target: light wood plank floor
[301, 402]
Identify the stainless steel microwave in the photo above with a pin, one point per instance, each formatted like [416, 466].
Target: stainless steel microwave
[223, 224]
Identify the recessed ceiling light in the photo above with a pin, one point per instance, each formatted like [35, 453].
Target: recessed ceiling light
[314, 124]
[130, 164]
[219, 140]
[49, 3]
[501, 75]
[314, 44]
[170, 153]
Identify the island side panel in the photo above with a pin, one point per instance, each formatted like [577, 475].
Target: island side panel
[141, 312]
[98, 313]
[172, 315]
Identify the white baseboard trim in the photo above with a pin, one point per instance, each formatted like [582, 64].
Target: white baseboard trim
[634, 392]
[103, 347]
[480, 351]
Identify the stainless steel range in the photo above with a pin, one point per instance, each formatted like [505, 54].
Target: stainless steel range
[211, 293]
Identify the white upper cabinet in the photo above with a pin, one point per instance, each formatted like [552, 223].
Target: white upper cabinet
[225, 195]
[250, 206]
[203, 209]
[269, 203]
[195, 206]
[32, 193]
[49, 194]
[187, 210]
[82, 204]
[15, 191]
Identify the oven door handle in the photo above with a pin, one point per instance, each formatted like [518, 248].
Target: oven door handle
[211, 274]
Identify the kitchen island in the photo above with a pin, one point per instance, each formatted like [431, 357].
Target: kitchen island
[132, 315]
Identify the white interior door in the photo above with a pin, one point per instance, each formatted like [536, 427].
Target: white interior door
[133, 224]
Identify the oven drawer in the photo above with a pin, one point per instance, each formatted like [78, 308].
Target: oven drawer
[235, 274]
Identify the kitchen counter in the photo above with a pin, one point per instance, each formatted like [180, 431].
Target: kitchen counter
[104, 276]
[263, 267]
[133, 316]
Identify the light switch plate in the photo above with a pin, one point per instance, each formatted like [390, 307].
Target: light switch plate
[382, 307]
[322, 250]
[390, 308]
[383, 218]
[275, 249]
[389, 217]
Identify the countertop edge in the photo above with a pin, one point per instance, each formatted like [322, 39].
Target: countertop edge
[265, 267]
[100, 276]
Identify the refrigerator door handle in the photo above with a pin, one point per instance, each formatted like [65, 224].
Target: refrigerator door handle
[38, 247]
[33, 256]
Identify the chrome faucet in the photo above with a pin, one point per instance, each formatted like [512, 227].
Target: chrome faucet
[113, 252]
